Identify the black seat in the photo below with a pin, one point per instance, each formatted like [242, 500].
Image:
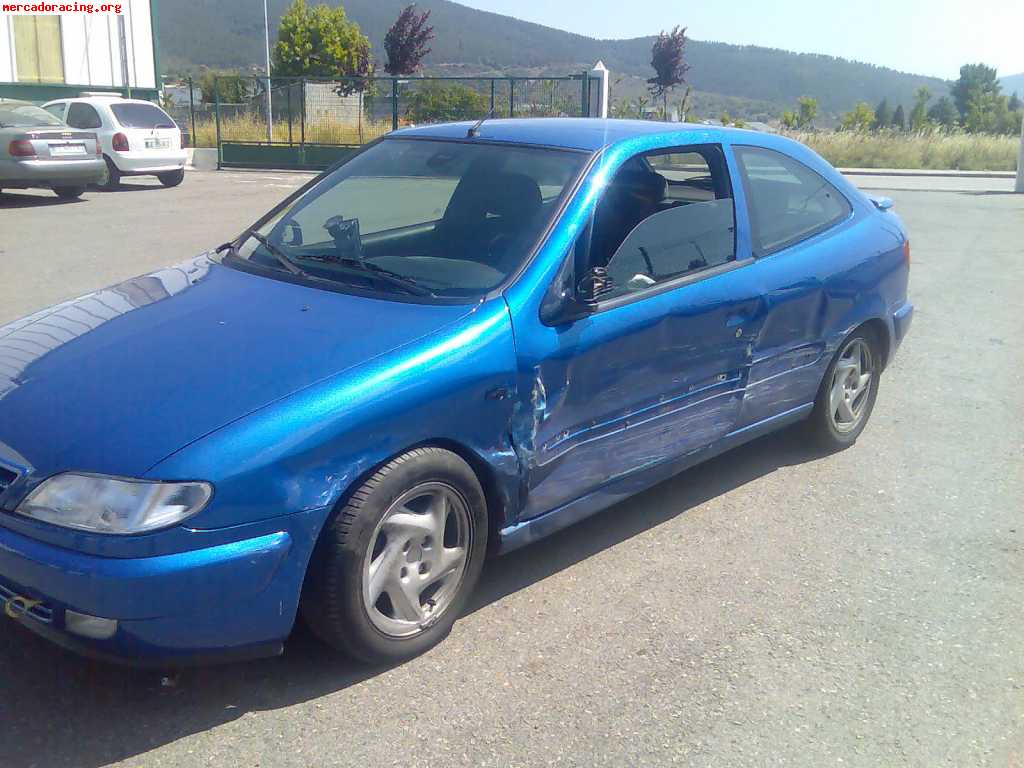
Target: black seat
[633, 195]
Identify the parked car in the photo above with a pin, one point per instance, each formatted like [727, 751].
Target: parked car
[138, 138]
[462, 338]
[38, 150]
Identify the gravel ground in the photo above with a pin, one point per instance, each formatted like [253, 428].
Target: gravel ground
[767, 608]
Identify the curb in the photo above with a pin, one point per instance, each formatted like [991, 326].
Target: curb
[950, 174]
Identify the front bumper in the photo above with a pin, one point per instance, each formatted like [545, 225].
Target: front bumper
[228, 601]
[901, 320]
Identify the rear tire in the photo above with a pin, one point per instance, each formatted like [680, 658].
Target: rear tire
[417, 530]
[111, 179]
[172, 178]
[69, 193]
[847, 394]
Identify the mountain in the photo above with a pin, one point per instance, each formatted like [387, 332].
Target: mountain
[1013, 84]
[749, 81]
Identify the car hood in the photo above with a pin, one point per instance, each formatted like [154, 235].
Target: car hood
[116, 381]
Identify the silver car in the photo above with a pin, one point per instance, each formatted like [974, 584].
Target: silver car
[38, 150]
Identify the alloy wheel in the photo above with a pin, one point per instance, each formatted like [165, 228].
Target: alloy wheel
[416, 559]
[851, 386]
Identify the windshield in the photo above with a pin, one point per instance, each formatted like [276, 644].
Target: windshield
[448, 219]
[25, 116]
[141, 116]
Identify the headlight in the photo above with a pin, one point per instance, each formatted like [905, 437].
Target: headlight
[113, 504]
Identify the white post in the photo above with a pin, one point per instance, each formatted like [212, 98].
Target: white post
[601, 71]
[1020, 162]
[266, 40]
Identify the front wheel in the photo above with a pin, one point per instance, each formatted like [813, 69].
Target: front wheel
[394, 568]
[172, 178]
[847, 394]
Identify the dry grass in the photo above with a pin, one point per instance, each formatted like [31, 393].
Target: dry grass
[250, 127]
[930, 150]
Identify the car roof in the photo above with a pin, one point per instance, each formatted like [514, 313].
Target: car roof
[585, 133]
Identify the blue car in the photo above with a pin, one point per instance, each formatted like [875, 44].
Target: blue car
[461, 340]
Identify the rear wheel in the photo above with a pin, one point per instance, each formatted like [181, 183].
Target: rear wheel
[172, 178]
[847, 394]
[393, 569]
[111, 178]
[69, 193]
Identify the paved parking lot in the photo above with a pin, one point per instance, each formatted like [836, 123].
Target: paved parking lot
[768, 608]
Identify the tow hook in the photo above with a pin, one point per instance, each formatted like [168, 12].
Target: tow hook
[19, 606]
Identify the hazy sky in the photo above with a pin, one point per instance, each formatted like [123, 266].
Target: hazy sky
[929, 37]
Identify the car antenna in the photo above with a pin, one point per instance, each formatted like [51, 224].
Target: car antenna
[474, 131]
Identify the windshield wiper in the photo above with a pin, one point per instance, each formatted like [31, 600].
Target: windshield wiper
[274, 251]
[383, 275]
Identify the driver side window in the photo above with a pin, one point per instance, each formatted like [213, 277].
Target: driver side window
[664, 215]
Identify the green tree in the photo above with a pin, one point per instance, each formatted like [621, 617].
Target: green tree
[789, 119]
[883, 115]
[860, 118]
[919, 114]
[808, 110]
[233, 89]
[943, 112]
[899, 120]
[977, 82]
[436, 102]
[320, 42]
[1014, 104]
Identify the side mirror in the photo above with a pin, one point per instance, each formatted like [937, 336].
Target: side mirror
[580, 301]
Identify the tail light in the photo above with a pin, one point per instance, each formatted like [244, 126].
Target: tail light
[182, 136]
[99, 146]
[120, 142]
[906, 251]
[21, 148]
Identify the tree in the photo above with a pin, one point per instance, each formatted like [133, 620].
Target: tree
[860, 118]
[899, 121]
[789, 119]
[883, 115]
[436, 102]
[919, 114]
[943, 112]
[668, 59]
[808, 110]
[406, 42]
[321, 42]
[1014, 103]
[230, 86]
[976, 81]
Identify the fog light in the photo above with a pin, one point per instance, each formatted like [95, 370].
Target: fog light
[89, 626]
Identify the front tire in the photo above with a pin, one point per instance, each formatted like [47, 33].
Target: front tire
[172, 178]
[393, 569]
[847, 394]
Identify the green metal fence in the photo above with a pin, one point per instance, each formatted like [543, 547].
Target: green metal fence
[310, 123]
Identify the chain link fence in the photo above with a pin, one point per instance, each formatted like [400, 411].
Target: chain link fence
[353, 111]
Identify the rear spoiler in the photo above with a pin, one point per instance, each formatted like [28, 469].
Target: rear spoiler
[881, 203]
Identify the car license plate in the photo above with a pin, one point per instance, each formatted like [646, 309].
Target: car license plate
[158, 143]
[63, 150]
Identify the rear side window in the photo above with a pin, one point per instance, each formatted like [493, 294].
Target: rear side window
[57, 110]
[83, 116]
[788, 201]
[141, 116]
[664, 215]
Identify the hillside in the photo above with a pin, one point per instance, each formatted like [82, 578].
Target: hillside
[1013, 84]
[229, 33]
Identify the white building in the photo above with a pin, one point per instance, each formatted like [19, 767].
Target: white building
[44, 57]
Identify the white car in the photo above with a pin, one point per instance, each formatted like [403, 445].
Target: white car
[137, 137]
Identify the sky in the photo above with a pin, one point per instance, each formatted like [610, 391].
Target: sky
[927, 37]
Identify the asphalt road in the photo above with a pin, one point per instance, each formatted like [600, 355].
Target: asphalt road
[769, 608]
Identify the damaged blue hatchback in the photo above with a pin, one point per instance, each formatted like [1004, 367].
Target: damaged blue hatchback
[460, 340]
